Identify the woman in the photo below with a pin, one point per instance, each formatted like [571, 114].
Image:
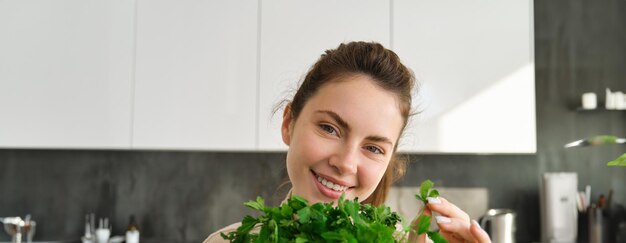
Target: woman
[343, 127]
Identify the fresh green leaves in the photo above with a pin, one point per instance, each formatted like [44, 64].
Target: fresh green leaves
[348, 222]
[423, 223]
[436, 237]
[259, 204]
[620, 161]
[426, 191]
[296, 221]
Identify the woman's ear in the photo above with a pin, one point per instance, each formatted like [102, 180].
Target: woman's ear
[286, 127]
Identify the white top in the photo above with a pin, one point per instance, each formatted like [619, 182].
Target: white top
[217, 238]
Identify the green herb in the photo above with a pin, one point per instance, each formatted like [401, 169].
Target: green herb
[349, 221]
[426, 191]
[620, 161]
[296, 221]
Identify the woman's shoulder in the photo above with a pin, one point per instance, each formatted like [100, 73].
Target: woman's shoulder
[216, 237]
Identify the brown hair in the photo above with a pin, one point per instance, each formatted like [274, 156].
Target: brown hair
[380, 64]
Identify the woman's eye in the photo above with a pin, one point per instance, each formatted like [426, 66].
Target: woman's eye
[328, 129]
[374, 149]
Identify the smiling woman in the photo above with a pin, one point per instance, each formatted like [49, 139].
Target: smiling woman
[359, 95]
[346, 135]
[343, 127]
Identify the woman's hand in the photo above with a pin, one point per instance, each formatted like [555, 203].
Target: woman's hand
[454, 224]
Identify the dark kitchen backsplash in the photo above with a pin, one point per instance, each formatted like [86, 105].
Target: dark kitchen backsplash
[580, 46]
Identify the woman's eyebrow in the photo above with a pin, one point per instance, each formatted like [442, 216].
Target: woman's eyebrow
[337, 118]
[380, 139]
[345, 126]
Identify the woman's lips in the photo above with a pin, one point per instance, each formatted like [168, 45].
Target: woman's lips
[333, 180]
[324, 190]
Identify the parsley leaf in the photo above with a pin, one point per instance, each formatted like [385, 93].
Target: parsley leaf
[426, 191]
[348, 222]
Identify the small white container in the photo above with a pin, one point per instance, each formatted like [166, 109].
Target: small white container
[589, 101]
[102, 235]
[132, 236]
[618, 99]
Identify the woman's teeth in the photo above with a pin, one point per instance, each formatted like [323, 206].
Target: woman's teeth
[331, 185]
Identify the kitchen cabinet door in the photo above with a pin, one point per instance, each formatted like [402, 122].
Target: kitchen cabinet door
[474, 63]
[196, 75]
[66, 73]
[293, 36]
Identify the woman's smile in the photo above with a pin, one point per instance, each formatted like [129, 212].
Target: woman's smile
[329, 187]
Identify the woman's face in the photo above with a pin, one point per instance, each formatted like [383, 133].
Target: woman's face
[342, 140]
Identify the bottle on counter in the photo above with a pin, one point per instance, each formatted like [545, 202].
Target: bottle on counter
[132, 231]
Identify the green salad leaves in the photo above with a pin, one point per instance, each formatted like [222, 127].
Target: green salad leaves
[349, 221]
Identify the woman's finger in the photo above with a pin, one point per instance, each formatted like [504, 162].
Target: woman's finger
[452, 238]
[479, 234]
[454, 223]
[445, 208]
[454, 229]
[426, 239]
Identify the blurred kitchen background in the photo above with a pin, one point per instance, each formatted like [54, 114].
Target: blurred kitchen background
[162, 109]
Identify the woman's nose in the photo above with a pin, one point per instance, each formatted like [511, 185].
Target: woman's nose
[345, 160]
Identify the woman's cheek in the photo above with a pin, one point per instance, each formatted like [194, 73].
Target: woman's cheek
[371, 174]
[314, 148]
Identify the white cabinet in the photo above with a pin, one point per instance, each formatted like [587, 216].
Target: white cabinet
[474, 62]
[66, 73]
[196, 75]
[293, 36]
[206, 75]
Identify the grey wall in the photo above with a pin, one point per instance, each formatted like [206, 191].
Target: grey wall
[580, 46]
[176, 196]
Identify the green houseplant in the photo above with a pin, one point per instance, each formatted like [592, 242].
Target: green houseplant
[602, 140]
